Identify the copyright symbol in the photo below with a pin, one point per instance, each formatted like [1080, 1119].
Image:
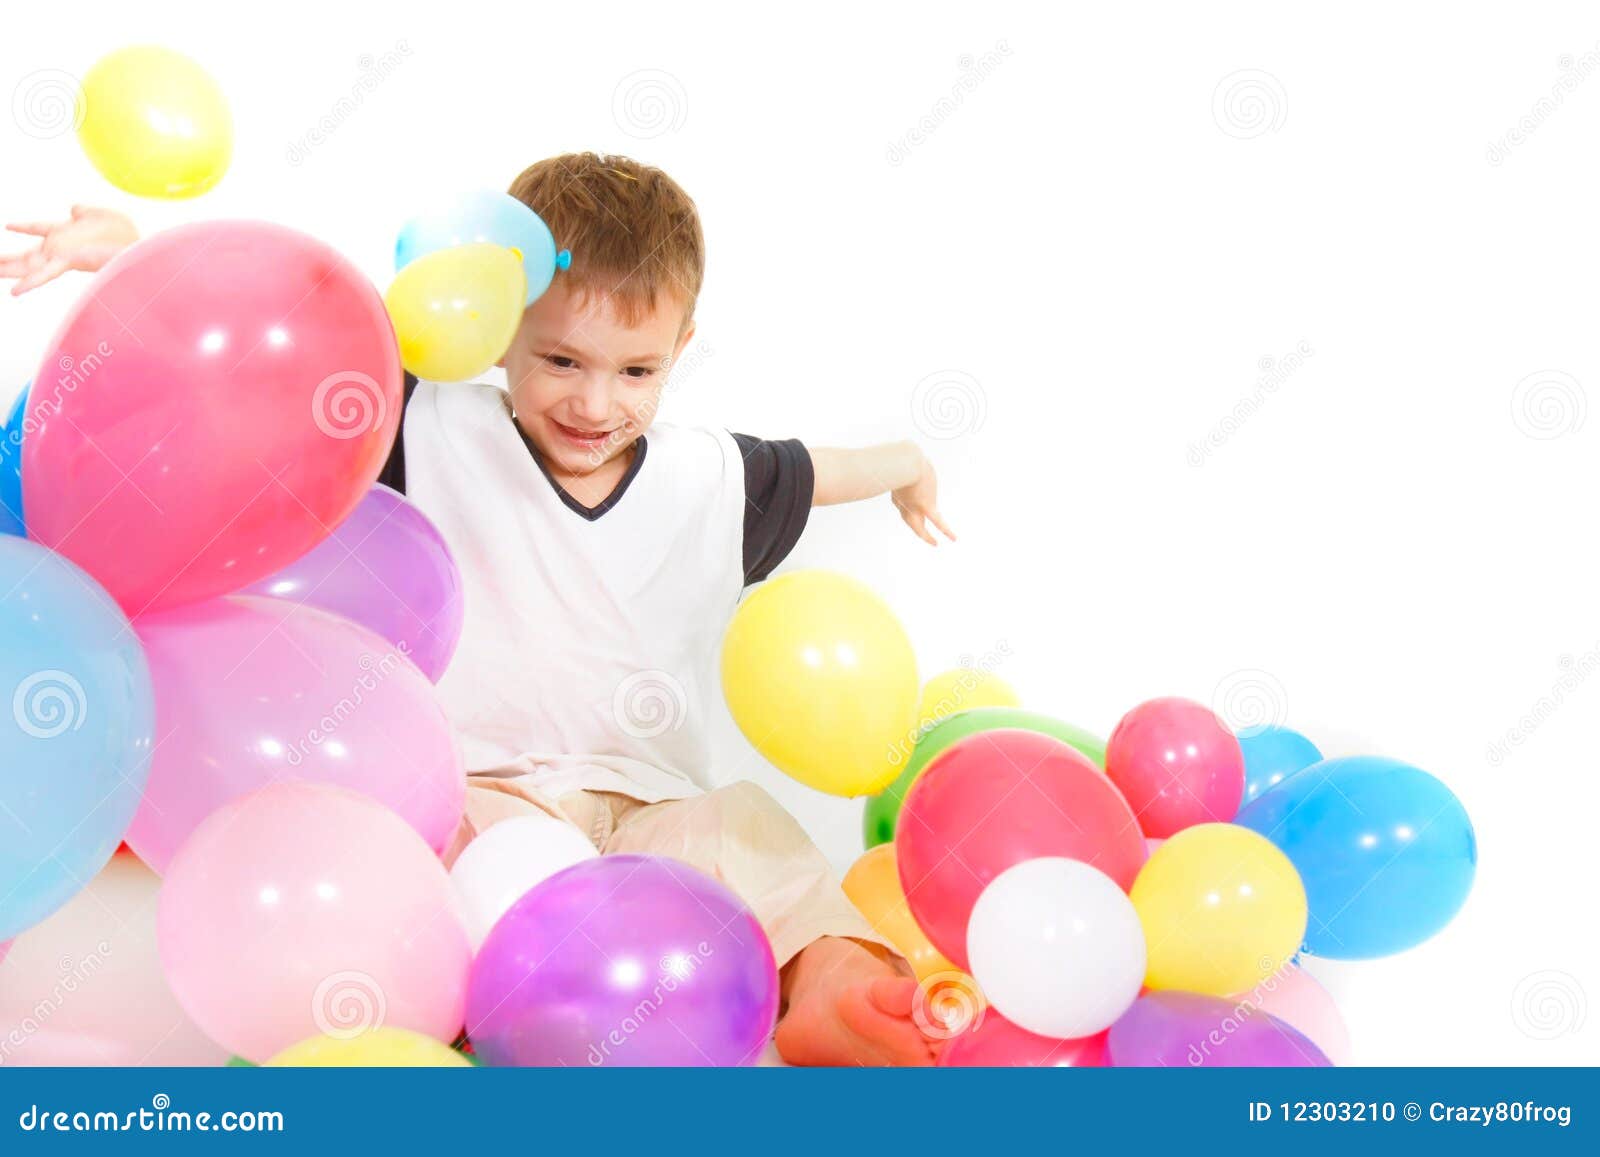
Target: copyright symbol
[1412, 1110]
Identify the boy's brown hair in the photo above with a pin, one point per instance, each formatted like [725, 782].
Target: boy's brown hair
[632, 230]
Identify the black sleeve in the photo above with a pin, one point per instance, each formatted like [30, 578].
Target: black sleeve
[778, 483]
[393, 474]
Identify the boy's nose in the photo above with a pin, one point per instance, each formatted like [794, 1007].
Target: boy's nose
[593, 401]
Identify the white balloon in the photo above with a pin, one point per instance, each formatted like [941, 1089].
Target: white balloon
[85, 986]
[499, 867]
[1056, 947]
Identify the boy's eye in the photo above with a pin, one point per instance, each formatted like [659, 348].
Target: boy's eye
[560, 362]
[638, 372]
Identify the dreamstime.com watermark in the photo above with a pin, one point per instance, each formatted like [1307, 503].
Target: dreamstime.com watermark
[674, 969]
[1249, 103]
[74, 974]
[48, 103]
[948, 1004]
[1574, 70]
[650, 703]
[974, 71]
[1549, 1004]
[1575, 671]
[373, 672]
[1246, 1006]
[1250, 700]
[953, 701]
[348, 404]
[649, 103]
[1549, 404]
[347, 1004]
[678, 371]
[48, 704]
[1274, 372]
[374, 71]
[948, 404]
[44, 399]
[159, 1118]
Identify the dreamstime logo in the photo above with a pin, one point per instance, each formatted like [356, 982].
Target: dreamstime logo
[649, 103]
[348, 404]
[948, 1004]
[953, 701]
[1574, 671]
[1250, 700]
[1273, 373]
[373, 672]
[1249, 103]
[1549, 1004]
[49, 703]
[48, 103]
[677, 372]
[347, 1004]
[374, 71]
[974, 71]
[675, 968]
[1549, 404]
[649, 703]
[948, 404]
[1574, 71]
[74, 974]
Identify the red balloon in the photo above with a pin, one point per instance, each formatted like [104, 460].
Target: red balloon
[221, 397]
[1177, 764]
[994, 1042]
[992, 800]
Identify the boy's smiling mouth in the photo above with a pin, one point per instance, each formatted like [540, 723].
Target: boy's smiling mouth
[585, 438]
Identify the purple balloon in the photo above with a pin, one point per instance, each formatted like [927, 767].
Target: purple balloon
[387, 568]
[1190, 1030]
[624, 960]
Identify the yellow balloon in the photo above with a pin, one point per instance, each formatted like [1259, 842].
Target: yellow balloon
[962, 689]
[381, 1048]
[154, 123]
[821, 678]
[1222, 909]
[456, 310]
[873, 885]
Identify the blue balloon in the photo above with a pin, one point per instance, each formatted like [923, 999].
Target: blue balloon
[1386, 852]
[11, 467]
[483, 216]
[1272, 755]
[75, 744]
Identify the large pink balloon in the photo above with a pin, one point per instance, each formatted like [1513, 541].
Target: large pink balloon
[306, 909]
[252, 691]
[1177, 764]
[220, 397]
[85, 986]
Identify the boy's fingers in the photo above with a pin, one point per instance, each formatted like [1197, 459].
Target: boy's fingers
[32, 228]
[47, 272]
[938, 521]
[918, 527]
[15, 264]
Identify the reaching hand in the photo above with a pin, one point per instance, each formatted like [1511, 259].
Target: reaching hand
[918, 504]
[86, 241]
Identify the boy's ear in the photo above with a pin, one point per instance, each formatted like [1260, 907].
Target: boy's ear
[683, 340]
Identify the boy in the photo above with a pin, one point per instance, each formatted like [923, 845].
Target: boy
[602, 555]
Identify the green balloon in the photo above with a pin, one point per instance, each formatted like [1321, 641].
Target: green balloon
[883, 809]
[239, 1063]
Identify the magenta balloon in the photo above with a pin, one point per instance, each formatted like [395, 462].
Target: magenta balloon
[624, 960]
[1188, 1030]
[253, 691]
[388, 568]
[220, 395]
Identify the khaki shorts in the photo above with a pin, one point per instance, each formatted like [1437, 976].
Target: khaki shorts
[738, 834]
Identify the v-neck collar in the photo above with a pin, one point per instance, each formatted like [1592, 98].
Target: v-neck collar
[591, 513]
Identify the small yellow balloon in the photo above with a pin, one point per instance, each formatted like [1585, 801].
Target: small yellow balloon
[1222, 909]
[381, 1048]
[873, 885]
[154, 123]
[962, 689]
[822, 680]
[456, 310]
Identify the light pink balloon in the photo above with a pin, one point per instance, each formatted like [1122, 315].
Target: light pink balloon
[85, 986]
[1293, 996]
[304, 909]
[252, 691]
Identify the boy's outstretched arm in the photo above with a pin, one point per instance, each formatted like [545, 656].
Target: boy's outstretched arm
[86, 241]
[899, 469]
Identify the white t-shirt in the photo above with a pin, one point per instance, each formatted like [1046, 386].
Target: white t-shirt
[589, 652]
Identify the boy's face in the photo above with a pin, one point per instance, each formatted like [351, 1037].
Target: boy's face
[584, 385]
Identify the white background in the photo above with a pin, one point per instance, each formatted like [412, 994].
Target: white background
[1076, 277]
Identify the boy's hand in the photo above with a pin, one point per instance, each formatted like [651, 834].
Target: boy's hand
[918, 504]
[86, 241]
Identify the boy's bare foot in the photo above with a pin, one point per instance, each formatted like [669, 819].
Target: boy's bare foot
[849, 1007]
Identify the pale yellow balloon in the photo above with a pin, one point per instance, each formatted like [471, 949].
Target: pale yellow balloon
[822, 680]
[873, 886]
[456, 310]
[1222, 909]
[383, 1048]
[962, 689]
[154, 123]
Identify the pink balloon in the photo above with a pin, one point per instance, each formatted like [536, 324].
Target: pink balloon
[994, 1042]
[304, 909]
[1293, 996]
[5, 949]
[252, 691]
[1177, 764]
[222, 395]
[85, 986]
